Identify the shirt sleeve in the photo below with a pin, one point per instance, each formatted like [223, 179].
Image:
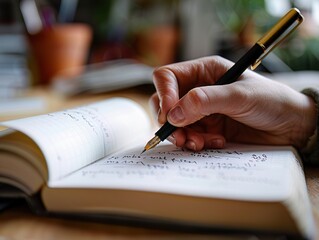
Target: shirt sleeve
[311, 153]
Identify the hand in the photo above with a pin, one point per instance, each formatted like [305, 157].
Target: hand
[254, 109]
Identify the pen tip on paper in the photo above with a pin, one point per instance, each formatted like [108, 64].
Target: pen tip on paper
[143, 151]
[152, 143]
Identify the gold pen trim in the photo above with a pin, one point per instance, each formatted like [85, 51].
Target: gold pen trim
[152, 143]
[284, 27]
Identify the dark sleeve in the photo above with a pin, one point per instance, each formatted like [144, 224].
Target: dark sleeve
[311, 152]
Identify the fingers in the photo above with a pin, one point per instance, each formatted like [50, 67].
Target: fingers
[175, 80]
[196, 141]
[204, 101]
[167, 91]
[154, 105]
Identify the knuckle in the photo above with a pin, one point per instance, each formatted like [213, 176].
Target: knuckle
[218, 58]
[200, 101]
[158, 70]
[165, 82]
[159, 73]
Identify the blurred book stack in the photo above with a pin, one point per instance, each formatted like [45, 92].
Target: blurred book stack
[14, 73]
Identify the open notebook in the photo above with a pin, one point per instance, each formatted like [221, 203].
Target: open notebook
[88, 161]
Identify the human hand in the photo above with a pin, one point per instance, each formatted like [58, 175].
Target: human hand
[254, 109]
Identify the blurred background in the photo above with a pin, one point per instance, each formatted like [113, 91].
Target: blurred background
[48, 41]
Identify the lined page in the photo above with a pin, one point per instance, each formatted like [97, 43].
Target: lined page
[73, 138]
[239, 171]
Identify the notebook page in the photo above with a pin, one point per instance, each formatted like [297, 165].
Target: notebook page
[73, 138]
[237, 172]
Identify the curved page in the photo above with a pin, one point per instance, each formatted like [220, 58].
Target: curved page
[74, 138]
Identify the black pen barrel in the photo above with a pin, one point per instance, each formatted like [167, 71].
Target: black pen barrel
[241, 65]
[166, 130]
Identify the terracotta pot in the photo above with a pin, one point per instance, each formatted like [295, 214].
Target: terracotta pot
[59, 48]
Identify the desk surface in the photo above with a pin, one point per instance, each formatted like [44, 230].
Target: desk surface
[20, 223]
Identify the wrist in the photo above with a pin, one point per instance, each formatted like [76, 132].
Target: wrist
[311, 148]
[303, 118]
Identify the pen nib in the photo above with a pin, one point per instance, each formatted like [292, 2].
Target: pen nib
[151, 143]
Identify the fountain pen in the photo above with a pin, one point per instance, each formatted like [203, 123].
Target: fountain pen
[252, 58]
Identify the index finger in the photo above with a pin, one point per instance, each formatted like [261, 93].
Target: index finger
[173, 81]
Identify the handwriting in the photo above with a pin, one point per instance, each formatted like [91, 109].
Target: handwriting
[88, 116]
[175, 163]
[81, 126]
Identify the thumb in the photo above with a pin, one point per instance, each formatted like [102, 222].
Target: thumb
[200, 102]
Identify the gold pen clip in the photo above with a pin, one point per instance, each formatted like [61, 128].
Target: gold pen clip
[286, 25]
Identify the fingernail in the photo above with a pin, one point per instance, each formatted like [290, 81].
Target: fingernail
[172, 139]
[216, 143]
[176, 115]
[191, 145]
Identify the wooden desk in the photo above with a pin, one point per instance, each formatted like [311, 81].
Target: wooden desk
[53, 101]
[20, 223]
